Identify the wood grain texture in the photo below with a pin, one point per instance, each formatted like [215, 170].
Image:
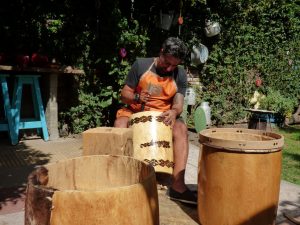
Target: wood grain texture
[107, 141]
[241, 140]
[236, 187]
[99, 189]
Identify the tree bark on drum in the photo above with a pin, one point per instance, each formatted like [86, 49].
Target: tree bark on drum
[97, 189]
[38, 201]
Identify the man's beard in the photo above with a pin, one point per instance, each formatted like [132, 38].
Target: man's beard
[163, 72]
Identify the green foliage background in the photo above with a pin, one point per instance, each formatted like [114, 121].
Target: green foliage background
[259, 39]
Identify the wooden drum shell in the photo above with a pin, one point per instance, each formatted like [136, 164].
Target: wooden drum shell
[152, 141]
[94, 190]
[239, 176]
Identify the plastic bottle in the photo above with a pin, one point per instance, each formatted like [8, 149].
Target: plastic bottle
[190, 96]
[205, 106]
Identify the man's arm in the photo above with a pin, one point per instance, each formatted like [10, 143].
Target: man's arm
[177, 104]
[129, 96]
[176, 109]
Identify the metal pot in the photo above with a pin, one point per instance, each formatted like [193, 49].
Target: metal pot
[199, 54]
[212, 28]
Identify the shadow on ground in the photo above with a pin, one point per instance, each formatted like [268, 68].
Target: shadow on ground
[190, 210]
[16, 163]
[291, 129]
[290, 212]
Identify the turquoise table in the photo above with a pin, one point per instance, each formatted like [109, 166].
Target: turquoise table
[7, 124]
[50, 75]
[39, 120]
[260, 116]
[13, 122]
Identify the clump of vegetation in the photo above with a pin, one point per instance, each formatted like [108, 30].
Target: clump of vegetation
[275, 101]
[291, 154]
[258, 39]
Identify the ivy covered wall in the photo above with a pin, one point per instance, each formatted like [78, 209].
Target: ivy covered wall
[259, 40]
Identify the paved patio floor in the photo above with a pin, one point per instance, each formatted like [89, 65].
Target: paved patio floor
[16, 162]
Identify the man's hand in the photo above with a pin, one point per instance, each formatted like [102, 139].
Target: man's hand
[169, 117]
[128, 95]
[144, 96]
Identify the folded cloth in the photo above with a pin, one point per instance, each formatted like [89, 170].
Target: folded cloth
[185, 197]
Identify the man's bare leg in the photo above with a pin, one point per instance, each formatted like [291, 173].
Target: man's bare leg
[121, 122]
[180, 145]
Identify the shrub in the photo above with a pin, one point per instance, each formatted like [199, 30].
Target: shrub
[277, 102]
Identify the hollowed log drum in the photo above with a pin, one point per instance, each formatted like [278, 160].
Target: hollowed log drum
[92, 190]
[152, 140]
[239, 176]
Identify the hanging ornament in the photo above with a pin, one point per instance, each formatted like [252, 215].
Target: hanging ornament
[132, 9]
[123, 53]
[180, 20]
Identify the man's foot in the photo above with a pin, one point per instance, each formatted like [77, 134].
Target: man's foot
[186, 197]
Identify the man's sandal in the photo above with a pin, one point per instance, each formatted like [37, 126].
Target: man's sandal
[185, 197]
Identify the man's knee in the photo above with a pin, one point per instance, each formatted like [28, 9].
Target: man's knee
[179, 129]
[121, 122]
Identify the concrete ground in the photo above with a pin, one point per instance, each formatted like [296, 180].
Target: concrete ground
[16, 162]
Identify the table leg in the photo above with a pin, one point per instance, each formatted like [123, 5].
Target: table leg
[52, 107]
[269, 121]
[8, 112]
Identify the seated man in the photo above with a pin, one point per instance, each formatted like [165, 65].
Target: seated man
[158, 84]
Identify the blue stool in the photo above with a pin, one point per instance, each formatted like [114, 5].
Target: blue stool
[7, 124]
[39, 120]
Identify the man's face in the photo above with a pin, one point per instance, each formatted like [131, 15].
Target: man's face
[167, 63]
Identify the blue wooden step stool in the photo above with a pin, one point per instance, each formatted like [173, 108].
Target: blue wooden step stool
[7, 124]
[39, 120]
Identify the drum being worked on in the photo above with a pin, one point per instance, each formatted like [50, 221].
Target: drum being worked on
[152, 140]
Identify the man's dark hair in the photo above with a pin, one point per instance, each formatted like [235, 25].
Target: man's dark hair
[175, 47]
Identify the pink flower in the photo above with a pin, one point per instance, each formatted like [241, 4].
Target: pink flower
[258, 82]
[123, 52]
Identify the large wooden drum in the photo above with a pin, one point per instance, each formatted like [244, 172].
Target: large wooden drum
[93, 190]
[239, 176]
[152, 140]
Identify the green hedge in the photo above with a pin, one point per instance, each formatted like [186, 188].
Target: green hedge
[258, 40]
